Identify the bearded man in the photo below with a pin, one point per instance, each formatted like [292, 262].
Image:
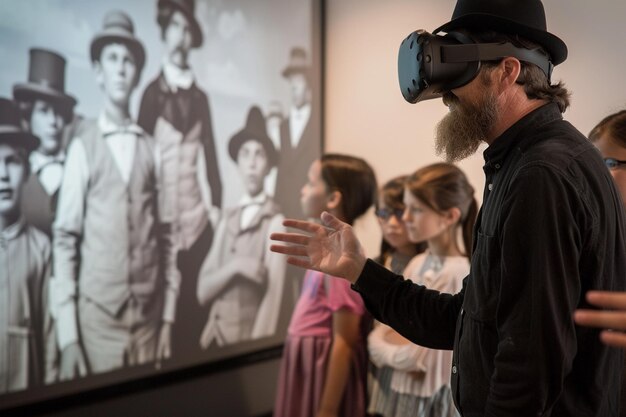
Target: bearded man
[551, 227]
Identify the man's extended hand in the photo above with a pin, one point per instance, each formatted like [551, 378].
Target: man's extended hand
[331, 247]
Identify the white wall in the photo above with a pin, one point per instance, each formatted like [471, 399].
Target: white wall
[367, 116]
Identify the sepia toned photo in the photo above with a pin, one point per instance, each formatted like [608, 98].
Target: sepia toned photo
[153, 147]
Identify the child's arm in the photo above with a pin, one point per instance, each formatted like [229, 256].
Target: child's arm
[346, 330]
[68, 227]
[215, 274]
[267, 316]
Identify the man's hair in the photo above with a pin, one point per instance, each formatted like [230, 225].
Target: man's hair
[613, 127]
[532, 78]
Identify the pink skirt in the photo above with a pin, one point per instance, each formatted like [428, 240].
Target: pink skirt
[302, 376]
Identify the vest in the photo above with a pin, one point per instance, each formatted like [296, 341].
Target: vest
[233, 313]
[119, 251]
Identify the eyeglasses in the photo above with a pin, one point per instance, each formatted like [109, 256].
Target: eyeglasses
[612, 163]
[385, 213]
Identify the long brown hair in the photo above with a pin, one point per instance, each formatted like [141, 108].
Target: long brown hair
[443, 186]
[354, 179]
[613, 126]
[391, 195]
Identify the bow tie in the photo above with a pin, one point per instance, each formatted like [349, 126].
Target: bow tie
[39, 162]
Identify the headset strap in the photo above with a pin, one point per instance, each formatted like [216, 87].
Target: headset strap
[493, 52]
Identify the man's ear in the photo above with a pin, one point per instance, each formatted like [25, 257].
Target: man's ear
[510, 68]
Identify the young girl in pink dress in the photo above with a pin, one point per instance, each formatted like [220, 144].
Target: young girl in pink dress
[324, 365]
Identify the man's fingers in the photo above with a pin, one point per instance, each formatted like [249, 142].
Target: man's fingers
[606, 319]
[300, 262]
[289, 250]
[607, 299]
[295, 238]
[617, 339]
[302, 225]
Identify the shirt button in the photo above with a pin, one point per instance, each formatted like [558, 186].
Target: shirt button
[454, 369]
[497, 166]
[490, 187]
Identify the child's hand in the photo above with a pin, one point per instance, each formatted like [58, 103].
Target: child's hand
[331, 247]
[73, 363]
[164, 344]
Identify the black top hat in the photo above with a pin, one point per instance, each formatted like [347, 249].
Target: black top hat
[117, 27]
[525, 18]
[46, 80]
[11, 130]
[186, 7]
[298, 62]
[255, 130]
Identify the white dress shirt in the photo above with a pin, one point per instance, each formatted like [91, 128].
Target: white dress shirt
[298, 119]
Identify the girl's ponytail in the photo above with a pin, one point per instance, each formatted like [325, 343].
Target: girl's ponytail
[468, 227]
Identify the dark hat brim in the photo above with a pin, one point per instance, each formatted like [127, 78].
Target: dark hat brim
[112, 36]
[296, 69]
[243, 136]
[30, 92]
[18, 138]
[551, 43]
[196, 32]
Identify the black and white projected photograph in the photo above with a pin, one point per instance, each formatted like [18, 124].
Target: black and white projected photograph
[149, 148]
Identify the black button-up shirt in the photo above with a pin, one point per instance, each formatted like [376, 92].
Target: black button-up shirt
[551, 228]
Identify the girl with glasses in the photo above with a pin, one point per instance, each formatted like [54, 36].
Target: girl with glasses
[439, 207]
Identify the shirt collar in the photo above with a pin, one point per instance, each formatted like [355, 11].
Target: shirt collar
[108, 127]
[176, 77]
[517, 135]
[303, 111]
[13, 230]
[38, 160]
[259, 199]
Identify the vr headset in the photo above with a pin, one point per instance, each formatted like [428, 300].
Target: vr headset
[431, 65]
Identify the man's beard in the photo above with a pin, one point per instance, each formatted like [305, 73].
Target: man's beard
[461, 131]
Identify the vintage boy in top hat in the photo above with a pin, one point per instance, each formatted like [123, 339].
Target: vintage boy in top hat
[47, 109]
[177, 113]
[299, 135]
[116, 284]
[24, 264]
[241, 280]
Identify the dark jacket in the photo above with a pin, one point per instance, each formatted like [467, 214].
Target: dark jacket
[294, 164]
[183, 109]
[551, 228]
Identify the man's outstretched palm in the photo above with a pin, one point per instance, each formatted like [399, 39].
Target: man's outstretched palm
[331, 247]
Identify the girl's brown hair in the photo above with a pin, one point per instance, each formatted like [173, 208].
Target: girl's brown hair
[443, 186]
[613, 126]
[354, 179]
[391, 194]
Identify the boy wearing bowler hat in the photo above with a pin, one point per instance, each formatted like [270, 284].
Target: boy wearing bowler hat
[552, 226]
[24, 263]
[115, 282]
[47, 109]
[240, 280]
[176, 112]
